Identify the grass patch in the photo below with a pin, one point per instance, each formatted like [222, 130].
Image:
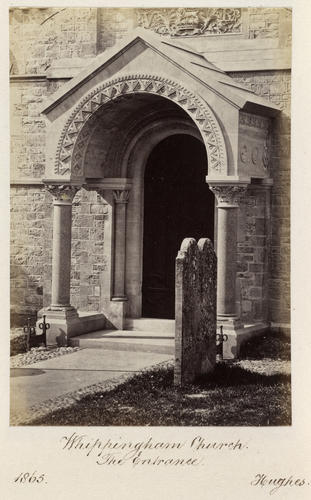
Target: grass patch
[230, 396]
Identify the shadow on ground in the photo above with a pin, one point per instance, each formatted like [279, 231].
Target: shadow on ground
[25, 372]
[273, 345]
[226, 375]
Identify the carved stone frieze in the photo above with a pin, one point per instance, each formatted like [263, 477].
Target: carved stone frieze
[62, 192]
[121, 195]
[76, 133]
[256, 121]
[228, 194]
[190, 21]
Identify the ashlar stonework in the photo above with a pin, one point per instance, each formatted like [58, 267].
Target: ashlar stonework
[195, 310]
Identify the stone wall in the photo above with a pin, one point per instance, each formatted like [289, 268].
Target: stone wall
[276, 86]
[41, 36]
[270, 23]
[30, 219]
[195, 310]
[28, 127]
[31, 250]
[88, 262]
[252, 255]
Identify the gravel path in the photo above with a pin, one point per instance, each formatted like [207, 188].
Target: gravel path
[39, 354]
[266, 366]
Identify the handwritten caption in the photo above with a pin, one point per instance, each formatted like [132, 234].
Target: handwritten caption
[275, 484]
[149, 452]
[30, 478]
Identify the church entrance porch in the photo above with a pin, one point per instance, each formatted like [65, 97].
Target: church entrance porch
[106, 128]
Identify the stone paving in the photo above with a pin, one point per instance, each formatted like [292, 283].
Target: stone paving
[59, 381]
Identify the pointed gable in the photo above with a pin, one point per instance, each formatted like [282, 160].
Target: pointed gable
[185, 60]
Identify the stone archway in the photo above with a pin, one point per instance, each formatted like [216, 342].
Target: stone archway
[181, 112]
[75, 134]
[134, 164]
[162, 109]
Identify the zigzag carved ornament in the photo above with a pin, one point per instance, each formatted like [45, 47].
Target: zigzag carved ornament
[69, 153]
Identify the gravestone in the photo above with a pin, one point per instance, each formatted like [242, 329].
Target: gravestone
[195, 310]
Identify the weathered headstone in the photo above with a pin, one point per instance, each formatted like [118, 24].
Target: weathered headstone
[195, 310]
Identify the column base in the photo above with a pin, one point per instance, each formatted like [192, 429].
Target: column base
[229, 322]
[64, 323]
[67, 322]
[237, 334]
[117, 312]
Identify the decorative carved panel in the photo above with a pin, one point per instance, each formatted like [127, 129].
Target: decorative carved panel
[254, 144]
[256, 121]
[190, 22]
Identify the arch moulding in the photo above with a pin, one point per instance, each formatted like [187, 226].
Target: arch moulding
[133, 167]
[69, 152]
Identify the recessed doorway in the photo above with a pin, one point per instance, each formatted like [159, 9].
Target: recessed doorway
[177, 204]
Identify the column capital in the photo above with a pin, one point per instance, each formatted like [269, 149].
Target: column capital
[121, 195]
[62, 193]
[228, 195]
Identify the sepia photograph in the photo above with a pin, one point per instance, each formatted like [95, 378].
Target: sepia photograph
[150, 169]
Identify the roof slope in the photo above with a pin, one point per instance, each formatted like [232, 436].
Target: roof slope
[185, 58]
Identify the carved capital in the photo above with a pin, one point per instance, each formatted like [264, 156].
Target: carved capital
[62, 192]
[228, 195]
[121, 196]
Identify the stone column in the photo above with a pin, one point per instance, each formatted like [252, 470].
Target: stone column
[61, 315]
[61, 254]
[227, 196]
[119, 298]
[121, 198]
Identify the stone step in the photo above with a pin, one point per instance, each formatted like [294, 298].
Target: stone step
[163, 326]
[125, 340]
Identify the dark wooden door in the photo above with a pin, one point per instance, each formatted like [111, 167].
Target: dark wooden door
[178, 204]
